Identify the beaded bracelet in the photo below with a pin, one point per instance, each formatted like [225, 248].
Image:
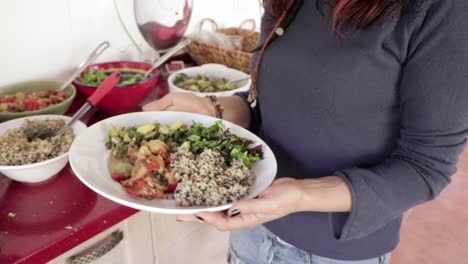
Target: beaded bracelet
[219, 109]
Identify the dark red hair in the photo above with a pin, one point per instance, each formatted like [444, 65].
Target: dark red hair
[347, 14]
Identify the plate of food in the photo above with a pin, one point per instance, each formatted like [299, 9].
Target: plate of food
[172, 162]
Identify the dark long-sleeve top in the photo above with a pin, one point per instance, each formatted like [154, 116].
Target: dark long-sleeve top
[385, 108]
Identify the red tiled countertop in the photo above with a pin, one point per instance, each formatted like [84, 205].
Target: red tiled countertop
[39, 222]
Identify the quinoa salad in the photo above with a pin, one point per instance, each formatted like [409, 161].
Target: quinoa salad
[195, 165]
[17, 149]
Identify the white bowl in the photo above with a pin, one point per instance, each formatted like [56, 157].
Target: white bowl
[88, 159]
[212, 71]
[39, 171]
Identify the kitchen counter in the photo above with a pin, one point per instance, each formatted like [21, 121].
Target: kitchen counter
[39, 222]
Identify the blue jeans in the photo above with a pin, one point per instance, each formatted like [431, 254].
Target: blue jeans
[260, 246]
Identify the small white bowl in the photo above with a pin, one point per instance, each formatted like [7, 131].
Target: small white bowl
[39, 171]
[212, 71]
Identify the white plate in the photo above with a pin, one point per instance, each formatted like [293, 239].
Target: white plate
[88, 159]
[211, 70]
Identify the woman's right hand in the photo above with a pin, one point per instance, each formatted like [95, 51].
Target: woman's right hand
[235, 108]
[182, 102]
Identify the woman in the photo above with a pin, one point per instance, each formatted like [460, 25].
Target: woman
[365, 104]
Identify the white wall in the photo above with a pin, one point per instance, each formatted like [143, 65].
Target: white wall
[46, 39]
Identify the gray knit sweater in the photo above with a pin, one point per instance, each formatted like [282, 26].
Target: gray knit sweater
[385, 108]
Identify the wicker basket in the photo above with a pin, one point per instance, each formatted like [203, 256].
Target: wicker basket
[203, 53]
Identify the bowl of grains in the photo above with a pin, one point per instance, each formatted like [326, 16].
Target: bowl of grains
[37, 160]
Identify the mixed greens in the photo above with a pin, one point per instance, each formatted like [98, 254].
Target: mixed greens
[195, 138]
[202, 83]
[95, 78]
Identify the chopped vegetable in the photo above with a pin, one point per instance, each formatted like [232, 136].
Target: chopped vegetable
[195, 138]
[201, 165]
[11, 214]
[22, 102]
[202, 83]
[95, 78]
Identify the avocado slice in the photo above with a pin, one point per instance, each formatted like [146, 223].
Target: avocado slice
[145, 128]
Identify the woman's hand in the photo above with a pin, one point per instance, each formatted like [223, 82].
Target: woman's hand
[182, 102]
[236, 109]
[283, 197]
[278, 200]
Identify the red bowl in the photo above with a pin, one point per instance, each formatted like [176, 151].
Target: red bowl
[122, 98]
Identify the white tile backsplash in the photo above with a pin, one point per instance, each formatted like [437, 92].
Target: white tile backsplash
[46, 39]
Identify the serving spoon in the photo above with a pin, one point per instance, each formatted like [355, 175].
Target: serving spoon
[167, 56]
[239, 81]
[104, 88]
[91, 58]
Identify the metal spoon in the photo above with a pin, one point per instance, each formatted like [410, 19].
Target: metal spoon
[96, 52]
[104, 88]
[168, 55]
[239, 81]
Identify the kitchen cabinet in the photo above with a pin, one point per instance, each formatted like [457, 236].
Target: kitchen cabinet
[180, 243]
[151, 238]
[129, 241]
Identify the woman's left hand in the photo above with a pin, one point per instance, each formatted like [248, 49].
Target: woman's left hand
[280, 199]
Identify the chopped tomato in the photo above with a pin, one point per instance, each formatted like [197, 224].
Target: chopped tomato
[171, 187]
[152, 164]
[55, 98]
[62, 94]
[118, 176]
[31, 105]
[167, 161]
[7, 99]
[36, 100]
[162, 152]
[43, 102]
[136, 187]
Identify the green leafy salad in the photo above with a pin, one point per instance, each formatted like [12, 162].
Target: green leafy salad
[95, 78]
[203, 83]
[196, 138]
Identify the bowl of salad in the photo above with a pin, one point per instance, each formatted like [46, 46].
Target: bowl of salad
[208, 79]
[131, 90]
[34, 98]
[172, 162]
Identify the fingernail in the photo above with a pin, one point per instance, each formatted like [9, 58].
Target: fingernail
[199, 218]
[234, 213]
